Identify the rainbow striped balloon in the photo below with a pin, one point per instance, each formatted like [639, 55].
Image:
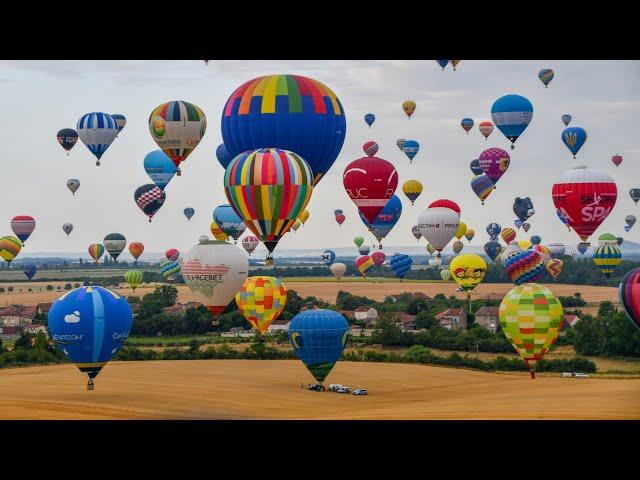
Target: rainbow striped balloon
[524, 267]
[10, 247]
[268, 188]
[96, 250]
[607, 258]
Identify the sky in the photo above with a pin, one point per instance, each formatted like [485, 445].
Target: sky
[41, 97]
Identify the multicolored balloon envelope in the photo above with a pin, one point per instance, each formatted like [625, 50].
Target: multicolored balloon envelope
[607, 258]
[229, 221]
[524, 267]
[364, 263]
[90, 324]
[149, 199]
[120, 119]
[160, 168]
[508, 235]
[412, 189]
[133, 278]
[172, 254]
[261, 299]
[531, 318]
[482, 186]
[386, 219]
[512, 114]
[67, 138]
[281, 111]
[400, 264]
[268, 188]
[96, 250]
[546, 75]
[170, 270]
[318, 338]
[409, 106]
[97, 131]
[494, 163]
[328, 257]
[439, 223]
[629, 294]
[217, 232]
[466, 124]
[114, 243]
[485, 129]
[554, 267]
[574, 138]
[250, 243]
[370, 148]
[23, 226]
[468, 270]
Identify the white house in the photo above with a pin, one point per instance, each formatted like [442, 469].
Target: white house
[365, 314]
[452, 318]
[279, 326]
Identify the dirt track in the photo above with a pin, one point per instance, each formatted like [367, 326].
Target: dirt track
[271, 390]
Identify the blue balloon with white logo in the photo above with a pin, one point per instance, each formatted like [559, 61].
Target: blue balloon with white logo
[493, 229]
[400, 264]
[160, 168]
[410, 149]
[318, 338]
[229, 221]
[30, 270]
[574, 138]
[369, 118]
[512, 115]
[90, 324]
[222, 156]
[328, 257]
[386, 219]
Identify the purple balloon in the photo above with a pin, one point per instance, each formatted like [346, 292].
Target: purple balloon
[494, 163]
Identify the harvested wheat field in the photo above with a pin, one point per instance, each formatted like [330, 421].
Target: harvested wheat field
[247, 389]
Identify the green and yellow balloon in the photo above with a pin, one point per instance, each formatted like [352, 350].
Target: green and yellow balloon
[133, 278]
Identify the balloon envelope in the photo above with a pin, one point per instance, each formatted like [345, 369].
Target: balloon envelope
[97, 131]
[468, 270]
[338, 269]
[136, 249]
[67, 138]
[260, 300]
[188, 212]
[400, 264]
[566, 119]
[223, 156]
[23, 226]
[29, 270]
[149, 199]
[114, 244]
[629, 294]
[494, 163]
[546, 75]
[574, 138]
[512, 114]
[410, 149]
[438, 224]
[73, 184]
[412, 189]
[159, 167]
[229, 221]
[369, 118]
[386, 219]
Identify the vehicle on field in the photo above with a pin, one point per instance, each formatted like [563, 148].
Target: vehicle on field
[318, 387]
[360, 391]
[344, 389]
[580, 375]
[334, 387]
[567, 375]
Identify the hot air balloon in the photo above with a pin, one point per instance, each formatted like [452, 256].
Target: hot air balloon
[435, 262]
[149, 199]
[409, 106]
[439, 223]
[566, 119]
[268, 189]
[506, 251]
[585, 197]
[543, 251]
[457, 247]
[400, 143]
[96, 250]
[133, 278]
[482, 186]
[607, 239]
[274, 111]
[494, 163]
[415, 231]
[67, 227]
[23, 226]
[412, 189]
[508, 235]
[469, 234]
[410, 149]
[556, 250]
[217, 232]
[512, 114]
[545, 75]
[629, 294]
[229, 221]
[468, 270]
[430, 249]
[634, 193]
[582, 247]
[364, 249]
[296, 225]
[120, 119]
[188, 212]
[386, 219]
[304, 216]
[370, 182]
[214, 271]
[445, 274]
[223, 156]
[454, 63]
[250, 243]
[466, 124]
[97, 131]
[177, 128]
[358, 241]
[574, 138]
[475, 167]
[554, 267]
[617, 160]
[524, 267]
[260, 300]
[619, 241]
[400, 264]
[370, 148]
[493, 229]
[90, 324]
[340, 218]
[170, 270]
[535, 239]
[518, 223]
[369, 118]
[136, 249]
[114, 244]
[485, 128]
[67, 138]
[531, 318]
[73, 184]
[526, 226]
[318, 338]
[159, 167]
[443, 63]
[328, 257]
[630, 220]
[462, 229]
[29, 270]
[523, 208]
[492, 249]
[172, 254]
[364, 263]
[338, 270]
[607, 258]
[378, 258]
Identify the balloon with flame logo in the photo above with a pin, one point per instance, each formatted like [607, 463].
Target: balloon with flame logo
[468, 270]
[260, 300]
[531, 318]
[524, 267]
[364, 263]
[574, 138]
[554, 267]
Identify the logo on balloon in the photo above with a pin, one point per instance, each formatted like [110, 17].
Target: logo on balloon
[465, 273]
[159, 126]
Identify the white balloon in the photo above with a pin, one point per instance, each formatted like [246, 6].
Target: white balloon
[438, 226]
[556, 249]
[214, 271]
[338, 269]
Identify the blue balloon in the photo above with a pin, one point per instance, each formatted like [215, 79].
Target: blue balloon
[120, 119]
[160, 168]
[90, 324]
[400, 264]
[229, 221]
[337, 212]
[574, 138]
[318, 338]
[512, 114]
[493, 229]
[410, 149]
[30, 270]
[369, 118]
[386, 219]
[492, 249]
[97, 131]
[566, 119]
[364, 249]
[222, 156]
[328, 257]
[583, 247]
[475, 167]
[443, 63]
[518, 223]
[189, 212]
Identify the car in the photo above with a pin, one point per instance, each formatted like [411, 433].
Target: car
[567, 374]
[318, 387]
[344, 390]
[580, 375]
[360, 391]
[334, 387]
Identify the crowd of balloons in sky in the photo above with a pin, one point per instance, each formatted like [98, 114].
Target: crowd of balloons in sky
[281, 135]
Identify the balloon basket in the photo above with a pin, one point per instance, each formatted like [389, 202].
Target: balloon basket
[98, 163]
[178, 172]
[90, 385]
[533, 374]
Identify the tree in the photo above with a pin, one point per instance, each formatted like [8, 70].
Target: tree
[49, 287]
[387, 332]
[10, 289]
[67, 286]
[426, 319]
[168, 294]
[1, 289]
[24, 342]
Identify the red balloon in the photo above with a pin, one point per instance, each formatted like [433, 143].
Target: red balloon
[378, 257]
[617, 160]
[370, 148]
[585, 198]
[370, 182]
[445, 204]
[172, 254]
[136, 249]
[340, 218]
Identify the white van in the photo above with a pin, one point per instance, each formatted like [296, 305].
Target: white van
[334, 387]
[580, 375]
[567, 375]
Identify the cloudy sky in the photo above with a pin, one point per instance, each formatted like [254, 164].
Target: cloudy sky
[41, 97]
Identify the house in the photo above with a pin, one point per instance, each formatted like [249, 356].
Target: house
[368, 314]
[412, 296]
[452, 318]
[11, 330]
[406, 321]
[279, 325]
[16, 314]
[34, 328]
[492, 296]
[567, 322]
[489, 318]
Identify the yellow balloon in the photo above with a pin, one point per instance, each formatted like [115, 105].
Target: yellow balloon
[261, 300]
[469, 234]
[462, 229]
[304, 216]
[524, 244]
[217, 232]
[409, 107]
[430, 248]
[412, 189]
[468, 270]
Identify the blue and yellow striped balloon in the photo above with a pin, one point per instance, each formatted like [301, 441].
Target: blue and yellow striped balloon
[607, 258]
